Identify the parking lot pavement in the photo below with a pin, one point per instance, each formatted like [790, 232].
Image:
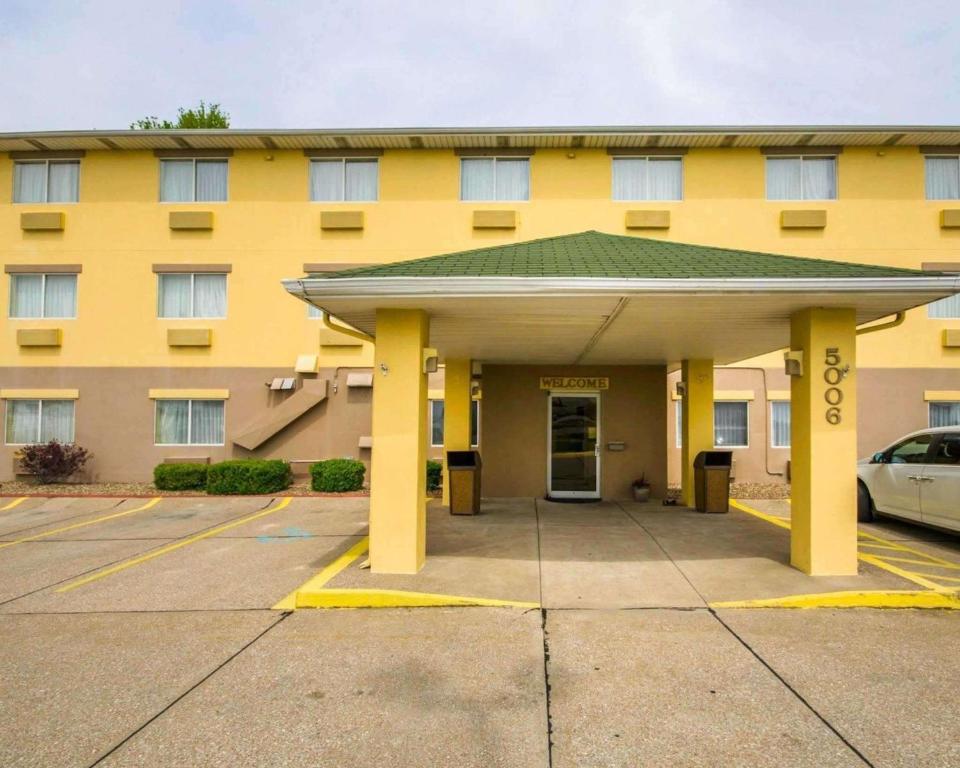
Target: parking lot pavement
[34, 512]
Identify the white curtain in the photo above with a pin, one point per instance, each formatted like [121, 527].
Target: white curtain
[780, 424]
[176, 181]
[629, 178]
[22, 421]
[943, 178]
[212, 181]
[945, 414]
[29, 182]
[60, 296]
[819, 178]
[210, 296]
[175, 295]
[360, 180]
[477, 178]
[665, 178]
[173, 419]
[26, 299]
[56, 421]
[326, 180]
[206, 422]
[730, 424]
[436, 422]
[314, 312]
[474, 423]
[945, 308]
[513, 179]
[63, 182]
[783, 178]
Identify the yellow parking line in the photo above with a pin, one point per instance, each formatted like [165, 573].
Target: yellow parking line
[171, 547]
[920, 562]
[778, 521]
[938, 577]
[114, 515]
[901, 572]
[14, 503]
[289, 603]
[903, 548]
[878, 599]
[395, 598]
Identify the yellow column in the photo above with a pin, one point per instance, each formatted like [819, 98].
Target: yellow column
[456, 413]
[697, 418]
[823, 454]
[398, 471]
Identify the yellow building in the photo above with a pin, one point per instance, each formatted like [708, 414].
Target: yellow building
[146, 319]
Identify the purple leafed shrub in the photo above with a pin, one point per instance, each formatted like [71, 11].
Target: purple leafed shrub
[53, 461]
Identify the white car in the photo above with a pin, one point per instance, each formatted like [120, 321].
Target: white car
[917, 479]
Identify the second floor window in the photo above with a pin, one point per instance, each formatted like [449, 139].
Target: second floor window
[46, 181]
[494, 178]
[806, 177]
[195, 294]
[193, 180]
[943, 178]
[344, 180]
[47, 295]
[647, 178]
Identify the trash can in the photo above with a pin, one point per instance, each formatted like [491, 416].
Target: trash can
[463, 471]
[711, 481]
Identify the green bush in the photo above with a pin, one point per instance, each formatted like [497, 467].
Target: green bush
[180, 477]
[248, 476]
[434, 474]
[337, 475]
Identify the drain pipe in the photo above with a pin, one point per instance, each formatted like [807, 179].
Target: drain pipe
[325, 317]
[897, 320]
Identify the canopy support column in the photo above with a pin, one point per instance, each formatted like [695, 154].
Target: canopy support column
[398, 471]
[456, 413]
[696, 418]
[823, 536]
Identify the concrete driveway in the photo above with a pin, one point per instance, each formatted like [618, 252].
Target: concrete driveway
[135, 632]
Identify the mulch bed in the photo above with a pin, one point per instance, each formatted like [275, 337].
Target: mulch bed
[26, 488]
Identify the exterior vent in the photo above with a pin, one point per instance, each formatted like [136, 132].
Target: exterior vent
[359, 379]
[494, 219]
[950, 218]
[341, 220]
[951, 338]
[189, 337]
[40, 337]
[191, 220]
[803, 219]
[47, 221]
[648, 220]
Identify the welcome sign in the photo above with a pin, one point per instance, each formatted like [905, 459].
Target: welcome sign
[574, 382]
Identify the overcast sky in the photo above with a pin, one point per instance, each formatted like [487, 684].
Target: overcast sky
[351, 63]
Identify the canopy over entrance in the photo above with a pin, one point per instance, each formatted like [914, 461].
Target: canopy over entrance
[596, 298]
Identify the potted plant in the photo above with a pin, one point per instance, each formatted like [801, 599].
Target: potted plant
[641, 489]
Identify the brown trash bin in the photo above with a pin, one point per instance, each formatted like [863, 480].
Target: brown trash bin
[463, 473]
[711, 481]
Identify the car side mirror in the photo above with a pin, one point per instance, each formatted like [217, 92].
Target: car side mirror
[878, 458]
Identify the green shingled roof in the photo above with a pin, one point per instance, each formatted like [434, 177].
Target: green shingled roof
[597, 254]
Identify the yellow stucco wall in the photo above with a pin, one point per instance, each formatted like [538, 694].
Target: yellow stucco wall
[269, 229]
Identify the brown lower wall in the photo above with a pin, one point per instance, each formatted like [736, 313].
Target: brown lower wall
[514, 428]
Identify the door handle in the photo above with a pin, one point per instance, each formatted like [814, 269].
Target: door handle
[914, 477]
[925, 479]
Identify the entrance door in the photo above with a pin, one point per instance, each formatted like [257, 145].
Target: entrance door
[573, 466]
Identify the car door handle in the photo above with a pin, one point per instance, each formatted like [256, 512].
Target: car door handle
[925, 479]
[914, 477]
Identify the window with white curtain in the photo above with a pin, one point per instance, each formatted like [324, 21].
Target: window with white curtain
[945, 414]
[344, 180]
[942, 177]
[805, 177]
[647, 178]
[189, 422]
[780, 424]
[39, 421]
[730, 425]
[436, 423]
[192, 294]
[314, 313]
[43, 295]
[192, 180]
[945, 308]
[46, 181]
[678, 413]
[494, 178]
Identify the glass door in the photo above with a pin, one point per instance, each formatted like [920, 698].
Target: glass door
[573, 469]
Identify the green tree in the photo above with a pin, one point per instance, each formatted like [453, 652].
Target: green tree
[204, 116]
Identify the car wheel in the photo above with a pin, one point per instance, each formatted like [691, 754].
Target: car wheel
[864, 504]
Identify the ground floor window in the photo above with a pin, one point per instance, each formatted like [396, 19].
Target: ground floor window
[945, 414]
[730, 425]
[436, 423]
[679, 420]
[39, 421]
[780, 424]
[189, 422]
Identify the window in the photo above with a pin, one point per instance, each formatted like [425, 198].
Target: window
[191, 180]
[944, 308]
[46, 181]
[948, 451]
[945, 414]
[647, 178]
[494, 178]
[314, 313]
[730, 425]
[39, 421]
[911, 451]
[436, 423]
[942, 178]
[344, 180]
[189, 422]
[192, 294]
[780, 424]
[47, 295]
[802, 178]
[678, 410]
[474, 423]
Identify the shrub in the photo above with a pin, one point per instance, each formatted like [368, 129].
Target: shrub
[337, 475]
[53, 461]
[180, 477]
[248, 476]
[434, 474]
